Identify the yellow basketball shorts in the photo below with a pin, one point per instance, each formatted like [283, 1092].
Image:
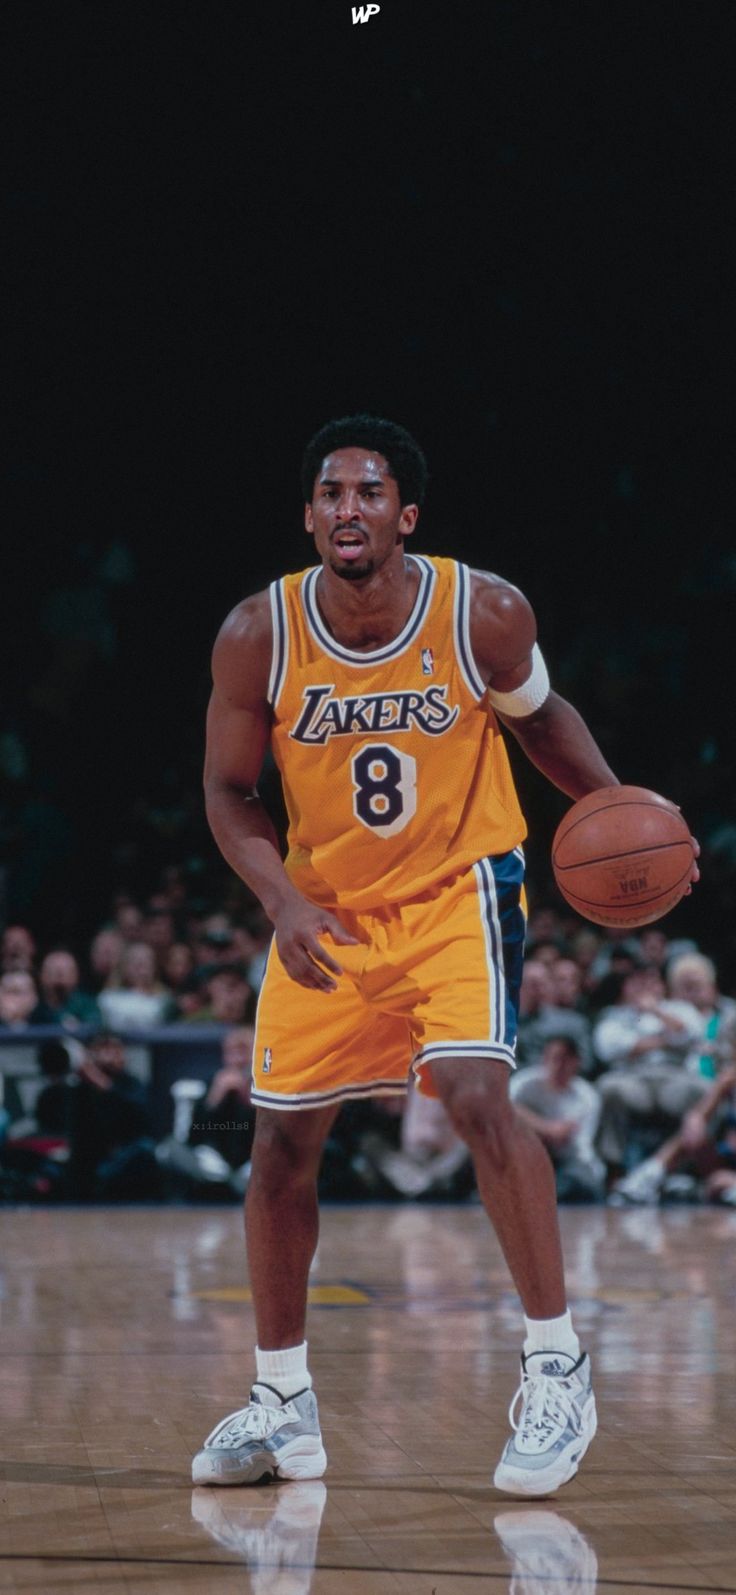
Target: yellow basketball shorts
[436, 977]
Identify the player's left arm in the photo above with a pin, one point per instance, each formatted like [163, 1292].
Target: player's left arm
[503, 635]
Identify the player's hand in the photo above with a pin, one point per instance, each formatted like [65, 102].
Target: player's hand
[298, 928]
[695, 873]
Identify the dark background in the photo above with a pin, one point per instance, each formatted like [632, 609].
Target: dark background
[504, 226]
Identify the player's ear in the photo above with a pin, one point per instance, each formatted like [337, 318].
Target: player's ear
[308, 519]
[408, 519]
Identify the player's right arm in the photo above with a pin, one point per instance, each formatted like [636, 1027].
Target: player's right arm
[238, 731]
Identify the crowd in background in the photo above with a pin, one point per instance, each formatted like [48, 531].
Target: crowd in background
[626, 1065]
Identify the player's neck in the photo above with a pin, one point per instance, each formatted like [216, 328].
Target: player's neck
[371, 613]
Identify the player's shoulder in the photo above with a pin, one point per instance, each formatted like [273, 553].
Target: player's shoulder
[496, 596]
[500, 613]
[247, 625]
[243, 645]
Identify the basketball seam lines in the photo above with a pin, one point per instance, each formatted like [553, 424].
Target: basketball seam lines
[631, 902]
[631, 852]
[624, 803]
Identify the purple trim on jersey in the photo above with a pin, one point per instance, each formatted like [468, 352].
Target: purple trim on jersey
[462, 632]
[280, 643]
[489, 911]
[427, 582]
[322, 1099]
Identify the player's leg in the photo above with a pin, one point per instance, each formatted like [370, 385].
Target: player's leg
[312, 1049]
[282, 1219]
[277, 1433]
[554, 1413]
[466, 947]
[514, 1174]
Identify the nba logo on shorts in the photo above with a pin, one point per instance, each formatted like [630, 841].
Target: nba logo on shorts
[267, 1060]
[427, 661]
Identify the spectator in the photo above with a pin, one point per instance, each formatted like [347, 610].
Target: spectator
[141, 1000]
[540, 1015]
[615, 959]
[564, 1110]
[18, 949]
[158, 930]
[430, 1160]
[105, 957]
[214, 1125]
[220, 1121]
[643, 1041]
[547, 949]
[112, 1156]
[261, 932]
[36, 1150]
[62, 1002]
[692, 978]
[18, 999]
[704, 1145]
[585, 946]
[654, 946]
[188, 997]
[567, 985]
[128, 919]
[173, 887]
[178, 966]
[215, 939]
[226, 997]
[544, 924]
[53, 1101]
[535, 1000]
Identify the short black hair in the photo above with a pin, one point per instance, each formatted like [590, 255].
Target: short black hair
[401, 451]
[556, 1030]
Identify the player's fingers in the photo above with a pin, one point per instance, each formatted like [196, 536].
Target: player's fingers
[319, 977]
[301, 967]
[338, 931]
[306, 959]
[316, 951]
[306, 973]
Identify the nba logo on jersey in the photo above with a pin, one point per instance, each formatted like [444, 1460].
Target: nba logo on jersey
[427, 661]
[267, 1060]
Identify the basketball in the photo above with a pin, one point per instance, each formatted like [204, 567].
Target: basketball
[622, 856]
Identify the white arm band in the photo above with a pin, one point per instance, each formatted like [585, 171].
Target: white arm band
[529, 696]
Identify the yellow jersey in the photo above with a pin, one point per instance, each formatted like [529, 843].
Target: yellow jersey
[394, 770]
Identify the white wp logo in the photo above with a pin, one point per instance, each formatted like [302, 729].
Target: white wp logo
[364, 13]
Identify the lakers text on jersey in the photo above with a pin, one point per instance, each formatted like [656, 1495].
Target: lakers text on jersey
[394, 770]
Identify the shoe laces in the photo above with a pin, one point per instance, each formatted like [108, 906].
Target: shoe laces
[253, 1422]
[548, 1405]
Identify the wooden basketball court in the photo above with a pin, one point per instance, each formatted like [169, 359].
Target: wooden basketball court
[127, 1334]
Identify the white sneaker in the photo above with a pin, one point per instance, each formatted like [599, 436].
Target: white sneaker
[274, 1531]
[643, 1185]
[546, 1551]
[270, 1438]
[555, 1424]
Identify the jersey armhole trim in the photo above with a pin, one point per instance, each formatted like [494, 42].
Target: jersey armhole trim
[461, 627]
[280, 647]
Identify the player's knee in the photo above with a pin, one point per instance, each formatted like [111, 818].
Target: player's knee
[481, 1115]
[285, 1150]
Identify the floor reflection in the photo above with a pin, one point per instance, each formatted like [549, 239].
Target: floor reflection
[548, 1555]
[273, 1528]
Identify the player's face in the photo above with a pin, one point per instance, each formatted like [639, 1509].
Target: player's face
[355, 516]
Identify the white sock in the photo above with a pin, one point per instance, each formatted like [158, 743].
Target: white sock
[286, 1370]
[551, 1334]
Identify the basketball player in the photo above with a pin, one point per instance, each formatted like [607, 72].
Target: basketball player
[380, 678]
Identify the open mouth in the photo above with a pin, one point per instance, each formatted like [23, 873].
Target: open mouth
[349, 545]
